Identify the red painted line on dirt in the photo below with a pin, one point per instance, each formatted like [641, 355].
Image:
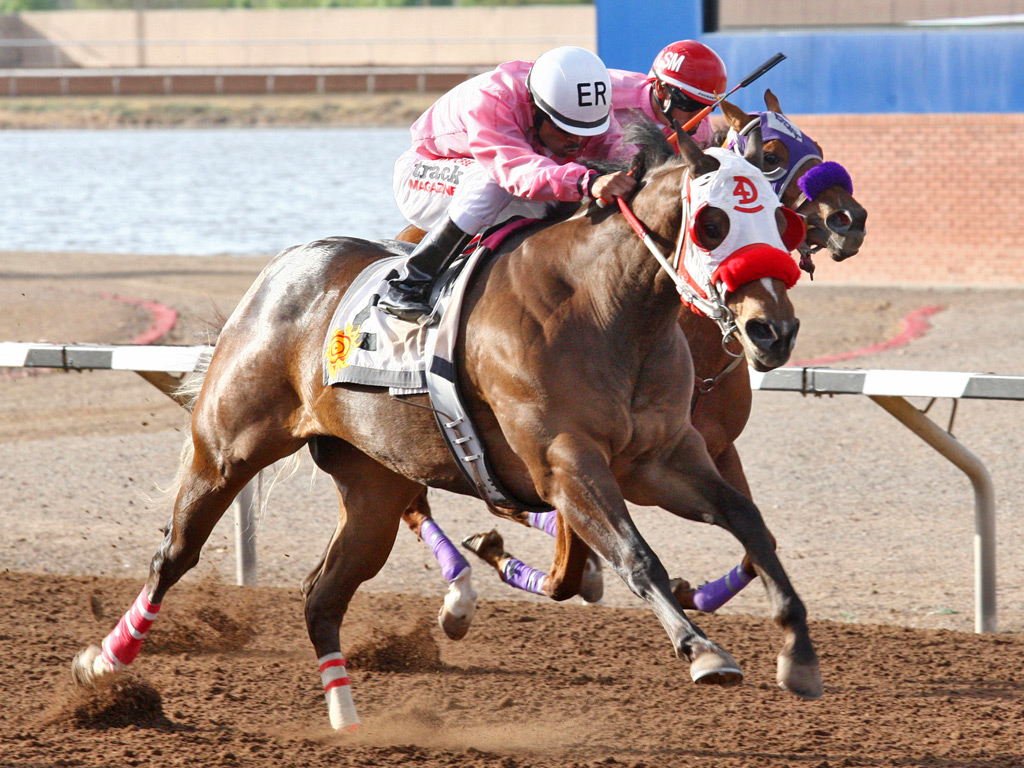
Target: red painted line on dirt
[163, 316]
[915, 325]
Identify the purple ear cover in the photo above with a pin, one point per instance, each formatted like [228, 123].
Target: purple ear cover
[823, 176]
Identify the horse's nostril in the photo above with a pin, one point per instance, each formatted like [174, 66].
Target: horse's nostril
[760, 333]
[839, 221]
[772, 338]
[791, 335]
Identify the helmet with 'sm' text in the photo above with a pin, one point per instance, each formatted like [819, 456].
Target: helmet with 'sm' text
[572, 88]
[693, 68]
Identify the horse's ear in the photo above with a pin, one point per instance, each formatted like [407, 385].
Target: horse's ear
[695, 159]
[772, 101]
[754, 151]
[736, 117]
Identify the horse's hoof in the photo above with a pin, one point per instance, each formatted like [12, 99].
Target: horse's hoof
[459, 607]
[489, 547]
[683, 593]
[800, 679]
[715, 667]
[592, 584]
[87, 666]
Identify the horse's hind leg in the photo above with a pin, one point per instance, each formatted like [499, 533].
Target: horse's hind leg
[211, 477]
[574, 568]
[371, 500]
[459, 607]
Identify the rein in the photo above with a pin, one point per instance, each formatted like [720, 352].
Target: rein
[714, 308]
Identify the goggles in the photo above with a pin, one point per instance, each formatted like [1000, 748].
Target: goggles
[679, 100]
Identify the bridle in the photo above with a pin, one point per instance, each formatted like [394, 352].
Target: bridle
[712, 305]
[802, 150]
[738, 190]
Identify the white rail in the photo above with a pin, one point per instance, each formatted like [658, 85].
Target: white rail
[888, 388]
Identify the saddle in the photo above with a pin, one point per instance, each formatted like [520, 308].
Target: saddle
[369, 347]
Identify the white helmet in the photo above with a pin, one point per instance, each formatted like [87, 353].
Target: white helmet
[571, 86]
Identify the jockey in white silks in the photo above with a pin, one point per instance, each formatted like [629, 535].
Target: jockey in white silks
[503, 143]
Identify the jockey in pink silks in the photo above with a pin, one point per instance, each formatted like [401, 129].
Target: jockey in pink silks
[685, 77]
[501, 144]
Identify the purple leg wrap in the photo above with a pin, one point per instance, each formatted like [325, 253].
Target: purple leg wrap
[545, 521]
[712, 596]
[447, 556]
[521, 576]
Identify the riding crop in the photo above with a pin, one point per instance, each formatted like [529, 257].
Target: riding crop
[693, 121]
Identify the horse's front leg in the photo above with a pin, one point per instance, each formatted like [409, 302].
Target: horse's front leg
[713, 595]
[566, 575]
[579, 482]
[688, 485]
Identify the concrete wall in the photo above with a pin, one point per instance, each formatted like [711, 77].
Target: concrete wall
[838, 69]
[297, 37]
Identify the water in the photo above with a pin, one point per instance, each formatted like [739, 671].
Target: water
[195, 192]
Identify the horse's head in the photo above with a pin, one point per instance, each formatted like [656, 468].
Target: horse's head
[733, 254]
[821, 192]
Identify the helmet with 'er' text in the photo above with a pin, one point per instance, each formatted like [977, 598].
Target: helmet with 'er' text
[572, 87]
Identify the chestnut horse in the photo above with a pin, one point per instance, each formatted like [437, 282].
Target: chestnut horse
[571, 363]
[722, 399]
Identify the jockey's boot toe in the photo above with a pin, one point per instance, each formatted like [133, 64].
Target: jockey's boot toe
[407, 300]
[489, 547]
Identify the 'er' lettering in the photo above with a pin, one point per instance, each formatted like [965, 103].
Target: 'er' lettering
[591, 94]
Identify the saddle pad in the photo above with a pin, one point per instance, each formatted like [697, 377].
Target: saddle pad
[367, 346]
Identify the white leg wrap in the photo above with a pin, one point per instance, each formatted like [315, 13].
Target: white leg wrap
[338, 692]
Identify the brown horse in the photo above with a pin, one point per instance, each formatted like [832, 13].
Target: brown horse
[572, 365]
[722, 399]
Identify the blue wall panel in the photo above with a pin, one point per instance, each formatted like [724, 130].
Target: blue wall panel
[855, 71]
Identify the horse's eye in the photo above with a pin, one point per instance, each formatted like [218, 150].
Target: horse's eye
[710, 231]
[771, 161]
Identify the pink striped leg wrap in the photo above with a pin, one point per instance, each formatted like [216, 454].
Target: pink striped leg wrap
[338, 692]
[124, 642]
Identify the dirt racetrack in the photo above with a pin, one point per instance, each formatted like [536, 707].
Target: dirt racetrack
[874, 528]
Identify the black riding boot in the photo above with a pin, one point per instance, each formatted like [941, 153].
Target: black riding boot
[408, 295]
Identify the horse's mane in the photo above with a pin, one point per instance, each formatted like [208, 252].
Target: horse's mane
[651, 150]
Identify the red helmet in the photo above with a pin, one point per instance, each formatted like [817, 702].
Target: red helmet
[693, 68]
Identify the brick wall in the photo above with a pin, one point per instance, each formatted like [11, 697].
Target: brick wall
[943, 193]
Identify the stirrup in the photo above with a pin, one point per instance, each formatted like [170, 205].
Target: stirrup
[405, 304]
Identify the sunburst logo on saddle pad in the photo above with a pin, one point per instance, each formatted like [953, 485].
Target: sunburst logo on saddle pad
[341, 346]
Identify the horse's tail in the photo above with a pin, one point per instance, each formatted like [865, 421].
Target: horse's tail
[188, 391]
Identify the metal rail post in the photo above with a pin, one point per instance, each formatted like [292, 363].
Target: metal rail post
[245, 535]
[984, 503]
